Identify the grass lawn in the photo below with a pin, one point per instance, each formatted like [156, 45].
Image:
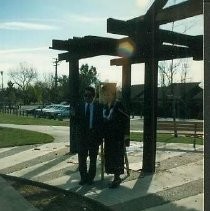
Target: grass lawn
[15, 137]
[168, 138]
[24, 120]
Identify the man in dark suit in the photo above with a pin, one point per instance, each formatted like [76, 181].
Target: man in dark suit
[90, 121]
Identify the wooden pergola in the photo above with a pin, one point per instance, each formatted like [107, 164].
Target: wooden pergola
[152, 45]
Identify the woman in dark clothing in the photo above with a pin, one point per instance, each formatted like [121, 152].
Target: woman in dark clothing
[115, 120]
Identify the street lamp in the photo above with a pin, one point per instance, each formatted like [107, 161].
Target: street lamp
[2, 79]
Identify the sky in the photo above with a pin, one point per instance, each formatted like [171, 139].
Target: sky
[27, 28]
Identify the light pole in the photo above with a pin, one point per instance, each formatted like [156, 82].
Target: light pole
[2, 86]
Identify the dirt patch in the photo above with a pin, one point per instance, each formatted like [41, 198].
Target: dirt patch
[53, 199]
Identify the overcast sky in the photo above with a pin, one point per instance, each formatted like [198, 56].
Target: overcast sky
[27, 28]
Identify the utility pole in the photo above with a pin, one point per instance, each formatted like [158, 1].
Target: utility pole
[56, 72]
[2, 85]
[56, 77]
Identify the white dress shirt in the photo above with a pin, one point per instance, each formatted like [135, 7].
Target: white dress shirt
[91, 114]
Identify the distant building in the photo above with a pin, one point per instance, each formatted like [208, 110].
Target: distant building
[186, 97]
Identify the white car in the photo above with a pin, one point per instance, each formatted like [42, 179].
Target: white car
[41, 112]
[57, 110]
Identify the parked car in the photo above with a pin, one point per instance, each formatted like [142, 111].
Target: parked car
[64, 113]
[41, 112]
[58, 109]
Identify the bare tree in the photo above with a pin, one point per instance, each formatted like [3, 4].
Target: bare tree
[23, 75]
[167, 71]
[49, 80]
[184, 72]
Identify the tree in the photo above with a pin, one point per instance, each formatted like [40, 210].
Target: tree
[42, 92]
[184, 73]
[63, 88]
[88, 77]
[10, 94]
[167, 72]
[23, 75]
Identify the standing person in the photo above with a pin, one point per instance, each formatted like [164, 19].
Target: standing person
[115, 122]
[90, 119]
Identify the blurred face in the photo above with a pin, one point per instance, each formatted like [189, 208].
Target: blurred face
[88, 96]
[108, 97]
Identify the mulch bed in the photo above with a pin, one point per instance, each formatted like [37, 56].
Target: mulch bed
[45, 197]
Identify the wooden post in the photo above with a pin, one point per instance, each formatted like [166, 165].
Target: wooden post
[150, 117]
[150, 99]
[102, 160]
[126, 94]
[126, 90]
[74, 98]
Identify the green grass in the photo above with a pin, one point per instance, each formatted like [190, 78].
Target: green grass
[15, 137]
[168, 138]
[24, 120]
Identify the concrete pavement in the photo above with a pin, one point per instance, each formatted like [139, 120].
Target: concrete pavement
[177, 184]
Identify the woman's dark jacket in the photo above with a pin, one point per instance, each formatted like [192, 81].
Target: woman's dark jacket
[114, 132]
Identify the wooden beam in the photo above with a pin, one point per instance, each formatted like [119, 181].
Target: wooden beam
[85, 47]
[64, 56]
[195, 43]
[180, 11]
[173, 13]
[60, 45]
[180, 39]
[115, 26]
[176, 12]
[109, 47]
[101, 46]
[155, 8]
[166, 52]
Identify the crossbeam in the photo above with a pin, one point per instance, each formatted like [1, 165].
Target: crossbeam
[180, 39]
[155, 8]
[87, 42]
[91, 46]
[62, 45]
[166, 52]
[64, 56]
[85, 47]
[180, 11]
[170, 14]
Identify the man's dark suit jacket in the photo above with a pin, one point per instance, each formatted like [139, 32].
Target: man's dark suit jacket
[97, 124]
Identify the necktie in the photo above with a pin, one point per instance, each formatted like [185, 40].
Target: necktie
[87, 115]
